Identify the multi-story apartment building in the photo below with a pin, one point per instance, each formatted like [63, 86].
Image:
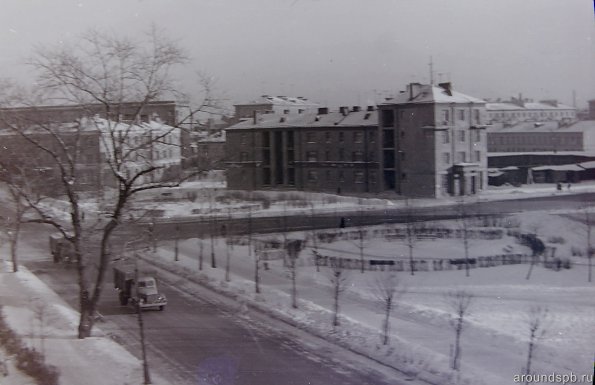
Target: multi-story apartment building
[316, 151]
[433, 142]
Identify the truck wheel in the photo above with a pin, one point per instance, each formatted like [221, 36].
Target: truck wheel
[123, 299]
[161, 308]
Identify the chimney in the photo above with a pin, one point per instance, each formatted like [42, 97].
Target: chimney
[356, 109]
[414, 92]
[446, 87]
[370, 108]
[344, 110]
[322, 110]
[254, 117]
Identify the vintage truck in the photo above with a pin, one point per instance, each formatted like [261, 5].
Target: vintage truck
[62, 250]
[142, 290]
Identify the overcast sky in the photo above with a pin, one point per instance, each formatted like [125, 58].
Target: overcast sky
[341, 52]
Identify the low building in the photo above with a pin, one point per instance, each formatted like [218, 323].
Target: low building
[526, 110]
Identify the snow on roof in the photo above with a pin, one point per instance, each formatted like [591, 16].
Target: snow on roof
[312, 119]
[280, 101]
[527, 106]
[547, 126]
[426, 93]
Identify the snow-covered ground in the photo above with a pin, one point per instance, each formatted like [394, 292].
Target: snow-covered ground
[495, 339]
[210, 197]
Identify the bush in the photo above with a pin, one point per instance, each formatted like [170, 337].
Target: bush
[555, 239]
[28, 360]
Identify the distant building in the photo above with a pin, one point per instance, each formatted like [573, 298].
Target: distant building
[164, 111]
[525, 110]
[541, 152]
[279, 105]
[321, 150]
[433, 142]
[592, 109]
[25, 163]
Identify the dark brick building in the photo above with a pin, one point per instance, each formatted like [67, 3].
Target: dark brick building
[315, 151]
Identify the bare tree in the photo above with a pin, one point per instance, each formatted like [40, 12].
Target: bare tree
[339, 283]
[293, 247]
[464, 228]
[18, 190]
[590, 248]
[536, 318]
[106, 71]
[535, 244]
[387, 290]
[459, 302]
[411, 237]
[361, 239]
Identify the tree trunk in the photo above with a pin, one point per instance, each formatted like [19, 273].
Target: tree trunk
[293, 284]
[14, 239]
[457, 350]
[386, 325]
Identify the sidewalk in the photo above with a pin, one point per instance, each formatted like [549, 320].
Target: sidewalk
[92, 361]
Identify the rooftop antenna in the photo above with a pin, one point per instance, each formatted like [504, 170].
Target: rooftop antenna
[431, 71]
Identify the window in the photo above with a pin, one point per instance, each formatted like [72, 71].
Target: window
[341, 154]
[477, 136]
[477, 156]
[461, 114]
[358, 137]
[243, 156]
[446, 137]
[328, 175]
[402, 155]
[312, 176]
[312, 156]
[477, 116]
[445, 116]
[446, 157]
[373, 177]
[372, 136]
[444, 182]
[286, 112]
[358, 177]
[311, 137]
[327, 137]
[461, 157]
[388, 118]
[341, 136]
[301, 110]
[341, 177]
[327, 155]
[357, 156]
[461, 135]
[243, 139]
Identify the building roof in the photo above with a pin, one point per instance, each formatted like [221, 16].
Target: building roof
[280, 101]
[548, 126]
[527, 106]
[311, 119]
[426, 93]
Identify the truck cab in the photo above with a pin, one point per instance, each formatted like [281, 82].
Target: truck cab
[148, 295]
